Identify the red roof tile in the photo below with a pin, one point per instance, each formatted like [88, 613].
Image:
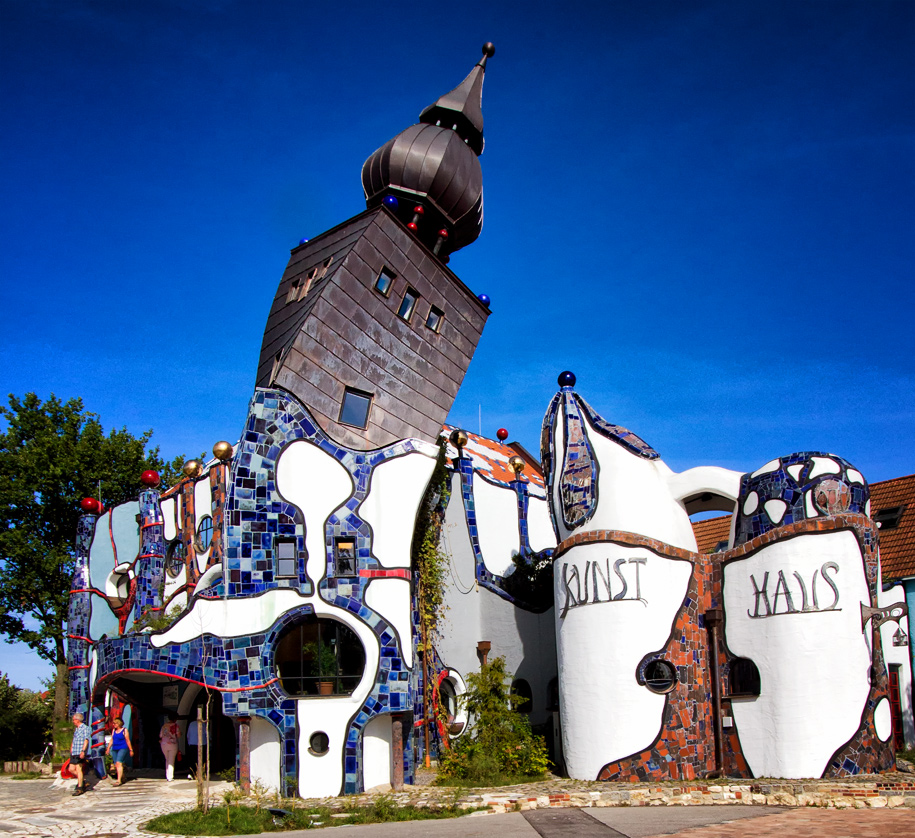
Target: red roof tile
[490, 458]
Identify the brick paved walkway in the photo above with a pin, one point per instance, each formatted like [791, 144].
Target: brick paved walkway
[815, 823]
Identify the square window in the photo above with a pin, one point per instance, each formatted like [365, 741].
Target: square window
[385, 282]
[286, 564]
[434, 320]
[355, 410]
[408, 305]
[345, 557]
[293, 291]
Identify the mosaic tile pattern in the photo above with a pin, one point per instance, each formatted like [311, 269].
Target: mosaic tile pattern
[78, 616]
[786, 493]
[241, 668]
[149, 567]
[617, 433]
[491, 581]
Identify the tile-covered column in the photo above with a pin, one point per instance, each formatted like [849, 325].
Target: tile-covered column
[79, 609]
[150, 565]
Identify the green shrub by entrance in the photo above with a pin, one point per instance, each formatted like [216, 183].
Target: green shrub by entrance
[500, 748]
[249, 820]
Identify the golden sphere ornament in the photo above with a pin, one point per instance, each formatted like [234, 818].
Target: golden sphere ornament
[192, 468]
[516, 463]
[223, 450]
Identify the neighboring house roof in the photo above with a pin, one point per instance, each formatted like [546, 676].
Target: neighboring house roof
[892, 505]
[490, 458]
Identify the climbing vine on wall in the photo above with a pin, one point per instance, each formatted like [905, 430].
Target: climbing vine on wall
[430, 564]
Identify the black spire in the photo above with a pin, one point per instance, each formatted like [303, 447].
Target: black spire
[462, 108]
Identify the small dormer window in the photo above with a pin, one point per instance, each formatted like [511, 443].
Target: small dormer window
[434, 320]
[889, 517]
[385, 282]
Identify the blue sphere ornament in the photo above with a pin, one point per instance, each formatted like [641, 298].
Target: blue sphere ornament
[303, 241]
[484, 298]
[566, 379]
[390, 202]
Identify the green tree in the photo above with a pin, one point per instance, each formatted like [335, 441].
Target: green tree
[25, 721]
[52, 455]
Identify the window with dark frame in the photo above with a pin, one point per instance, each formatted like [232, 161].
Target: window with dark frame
[385, 282]
[345, 557]
[660, 676]
[743, 678]
[355, 408]
[286, 561]
[204, 534]
[408, 305]
[889, 517]
[317, 657]
[174, 558]
[434, 320]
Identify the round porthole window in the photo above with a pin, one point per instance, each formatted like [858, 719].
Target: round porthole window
[318, 744]
[174, 558]
[204, 534]
[660, 676]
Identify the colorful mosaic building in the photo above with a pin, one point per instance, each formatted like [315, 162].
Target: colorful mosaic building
[275, 586]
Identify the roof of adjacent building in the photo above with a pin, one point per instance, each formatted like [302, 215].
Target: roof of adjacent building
[490, 459]
[897, 531]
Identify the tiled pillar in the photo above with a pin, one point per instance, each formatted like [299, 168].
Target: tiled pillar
[150, 566]
[78, 613]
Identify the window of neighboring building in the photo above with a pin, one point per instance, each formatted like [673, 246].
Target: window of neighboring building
[204, 534]
[408, 305]
[522, 689]
[174, 558]
[434, 320]
[660, 676]
[743, 678]
[355, 409]
[888, 518]
[319, 657]
[286, 563]
[345, 557]
[385, 282]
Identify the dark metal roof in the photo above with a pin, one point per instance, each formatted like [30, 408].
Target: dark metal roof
[436, 165]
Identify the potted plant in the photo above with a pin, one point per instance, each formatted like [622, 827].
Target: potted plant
[322, 664]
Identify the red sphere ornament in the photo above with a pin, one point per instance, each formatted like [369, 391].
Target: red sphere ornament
[419, 210]
[150, 478]
[91, 506]
[443, 233]
[412, 226]
[502, 434]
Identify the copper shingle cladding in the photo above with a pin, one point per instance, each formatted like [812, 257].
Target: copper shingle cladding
[344, 333]
[897, 546]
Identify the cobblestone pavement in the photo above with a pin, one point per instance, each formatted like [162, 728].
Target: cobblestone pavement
[38, 808]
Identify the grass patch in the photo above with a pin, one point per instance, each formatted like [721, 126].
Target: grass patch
[249, 819]
[30, 775]
[909, 755]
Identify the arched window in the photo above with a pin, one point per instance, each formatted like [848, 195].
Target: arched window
[174, 558]
[743, 678]
[204, 534]
[522, 689]
[319, 657]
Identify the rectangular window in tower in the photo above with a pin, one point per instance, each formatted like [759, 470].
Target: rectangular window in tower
[355, 409]
[385, 281]
[293, 292]
[408, 305]
[434, 320]
[286, 563]
[345, 557]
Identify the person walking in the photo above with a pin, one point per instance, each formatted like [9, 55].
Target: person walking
[82, 739]
[168, 741]
[120, 746]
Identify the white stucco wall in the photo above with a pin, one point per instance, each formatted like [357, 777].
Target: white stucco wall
[813, 666]
[496, 509]
[266, 754]
[377, 753]
[899, 655]
[606, 714]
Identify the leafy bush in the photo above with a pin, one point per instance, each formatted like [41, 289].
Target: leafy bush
[25, 721]
[500, 747]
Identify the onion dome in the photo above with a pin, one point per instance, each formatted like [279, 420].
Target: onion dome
[434, 165]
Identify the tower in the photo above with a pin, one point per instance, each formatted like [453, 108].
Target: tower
[369, 328]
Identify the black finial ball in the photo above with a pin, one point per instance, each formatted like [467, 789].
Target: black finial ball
[489, 49]
[567, 379]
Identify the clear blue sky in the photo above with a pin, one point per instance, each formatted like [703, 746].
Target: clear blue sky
[703, 209]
